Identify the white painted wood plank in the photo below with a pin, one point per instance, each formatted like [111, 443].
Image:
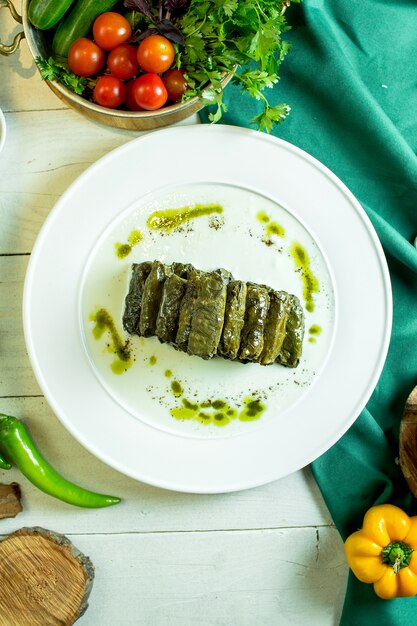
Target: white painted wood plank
[292, 501]
[21, 87]
[262, 578]
[16, 376]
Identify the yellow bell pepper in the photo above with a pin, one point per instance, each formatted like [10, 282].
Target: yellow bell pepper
[384, 552]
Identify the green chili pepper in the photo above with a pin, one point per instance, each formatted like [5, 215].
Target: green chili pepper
[17, 447]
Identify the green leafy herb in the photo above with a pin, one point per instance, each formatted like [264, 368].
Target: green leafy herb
[223, 34]
[52, 70]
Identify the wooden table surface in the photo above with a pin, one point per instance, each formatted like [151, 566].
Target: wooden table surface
[267, 556]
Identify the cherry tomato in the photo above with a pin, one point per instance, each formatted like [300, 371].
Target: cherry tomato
[109, 91]
[149, 92]
[156, 54]
[122, 61]
[175, 84]
[130, 101]
[85, 58]
[110, 30]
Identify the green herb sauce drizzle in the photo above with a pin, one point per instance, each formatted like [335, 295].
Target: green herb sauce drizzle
[271, 228]
[104, 322]
[263, 217]
[124, 249]
[315, 331]
[170, 219]
[310, 282]
[176, 389]
[216, 412]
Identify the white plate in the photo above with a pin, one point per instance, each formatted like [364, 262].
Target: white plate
[125, 420]
[2, 130]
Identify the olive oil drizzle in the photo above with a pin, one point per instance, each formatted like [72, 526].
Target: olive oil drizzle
[315, 331]
[271, 228]
[216, 412]
[105, 323]
[170, 219]
[124, 249]
[310, 282]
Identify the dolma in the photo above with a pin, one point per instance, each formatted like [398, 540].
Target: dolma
[186, 312]
[225, 274]
[252, 336]
[207, 315]
[169, 309]
[275, 326]
[133, 300]
[293, 343]
[151, 298]
[182, 269]
[234, 316]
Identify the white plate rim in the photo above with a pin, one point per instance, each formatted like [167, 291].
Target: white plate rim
[175, 484]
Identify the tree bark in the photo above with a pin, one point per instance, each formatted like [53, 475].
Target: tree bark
[408, 442]
[44, 579]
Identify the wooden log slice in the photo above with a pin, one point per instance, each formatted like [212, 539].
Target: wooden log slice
[408, 442]
[44, 579]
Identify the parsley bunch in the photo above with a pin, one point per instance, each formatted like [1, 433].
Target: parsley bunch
[52, 70]
[223, 34]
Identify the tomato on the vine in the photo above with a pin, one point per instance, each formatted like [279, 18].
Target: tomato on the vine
[109, 91]
[149, 92]
[122, 61]
[85, 58]
[156, 54]
[110, 29]
[175, 84]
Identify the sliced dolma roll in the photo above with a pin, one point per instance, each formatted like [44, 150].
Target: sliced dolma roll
[293, 343]
[275, 326]
[182, 269]
[133, 300]
[151, 299]
[234, 316]
[169, 309]
[208, 315]
[225, 274]
[256, 311]
[186, 311]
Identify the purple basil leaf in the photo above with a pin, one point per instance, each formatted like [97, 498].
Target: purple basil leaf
[168, 30]
[140, 5]
[141, 35]
[176, 6]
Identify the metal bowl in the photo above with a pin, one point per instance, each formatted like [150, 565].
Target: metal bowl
[132, 120]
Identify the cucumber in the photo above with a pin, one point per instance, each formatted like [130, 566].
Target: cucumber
[44, 14]
[78, 23]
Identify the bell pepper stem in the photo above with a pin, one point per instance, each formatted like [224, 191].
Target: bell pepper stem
[397, 554]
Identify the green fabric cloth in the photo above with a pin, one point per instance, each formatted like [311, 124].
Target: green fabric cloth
[351, 81]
